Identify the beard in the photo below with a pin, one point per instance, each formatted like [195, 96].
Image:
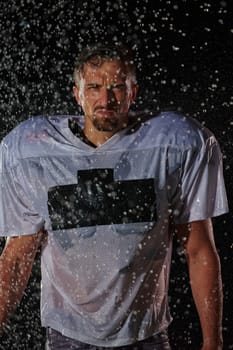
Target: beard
[106, 123]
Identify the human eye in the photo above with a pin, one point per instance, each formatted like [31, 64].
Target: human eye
[118, 86]
[93, 86]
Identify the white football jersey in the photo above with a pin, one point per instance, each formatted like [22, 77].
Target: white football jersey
[107, 211]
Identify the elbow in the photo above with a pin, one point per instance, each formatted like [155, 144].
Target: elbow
[205, 258]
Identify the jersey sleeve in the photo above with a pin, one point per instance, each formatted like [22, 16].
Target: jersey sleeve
[17, 213]
[201, 192]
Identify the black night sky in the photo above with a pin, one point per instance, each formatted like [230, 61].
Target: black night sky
[184, 56]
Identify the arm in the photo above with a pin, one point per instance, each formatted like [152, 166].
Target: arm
[16, 264]
[205, 278]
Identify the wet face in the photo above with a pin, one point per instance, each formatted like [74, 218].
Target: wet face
[105, 94]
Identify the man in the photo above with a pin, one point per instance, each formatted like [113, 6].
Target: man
[105, 192]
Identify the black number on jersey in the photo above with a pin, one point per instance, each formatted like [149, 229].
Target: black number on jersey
[99, 200]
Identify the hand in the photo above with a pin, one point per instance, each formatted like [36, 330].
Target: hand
[212, 345]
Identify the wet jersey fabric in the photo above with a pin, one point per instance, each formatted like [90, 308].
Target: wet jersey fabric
[105, 266]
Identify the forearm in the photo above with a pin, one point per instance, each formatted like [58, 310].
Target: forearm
[13, 280]
[16, 264]
[206, 284]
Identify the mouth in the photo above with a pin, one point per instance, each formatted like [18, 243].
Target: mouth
[105, 112]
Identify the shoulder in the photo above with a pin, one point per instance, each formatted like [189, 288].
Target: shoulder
[24, 129]
[29, 137]
[173, 129]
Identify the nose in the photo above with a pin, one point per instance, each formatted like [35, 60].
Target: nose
[107, 97]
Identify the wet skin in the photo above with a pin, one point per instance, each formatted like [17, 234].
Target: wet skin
[105, 94]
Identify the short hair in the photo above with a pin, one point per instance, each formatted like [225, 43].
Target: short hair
[97, 53]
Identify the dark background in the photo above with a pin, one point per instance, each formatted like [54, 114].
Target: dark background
[184, 56]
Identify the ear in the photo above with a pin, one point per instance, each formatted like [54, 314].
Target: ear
[134, 92]
[76, 95]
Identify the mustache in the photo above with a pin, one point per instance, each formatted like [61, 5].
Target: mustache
[101, 108]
